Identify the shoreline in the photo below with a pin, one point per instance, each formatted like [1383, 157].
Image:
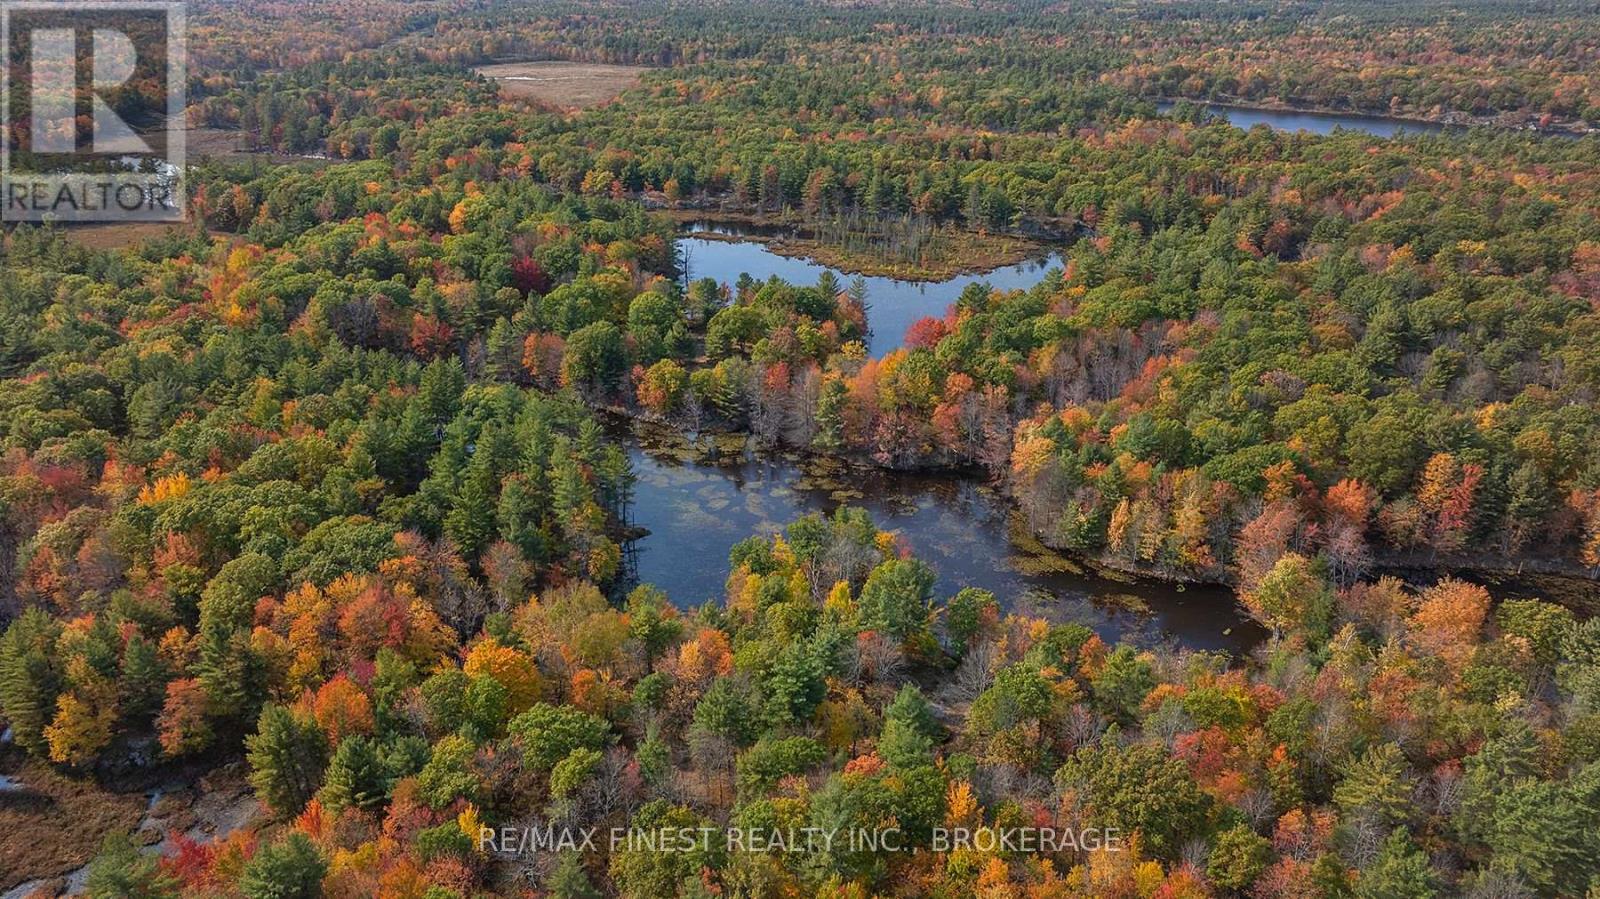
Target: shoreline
[1552, 579]
[1446, 120]
[1563, 580]
[980, 254]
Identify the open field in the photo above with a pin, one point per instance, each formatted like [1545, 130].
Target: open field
[221, 143]
[117, 235]
[204, 143]
[569, 85]
[121, 235]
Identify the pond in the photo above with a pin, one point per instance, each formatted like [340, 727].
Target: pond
[1247, 117]
[893, 305]
[697, 502]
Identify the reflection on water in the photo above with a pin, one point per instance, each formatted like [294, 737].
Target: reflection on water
[698, 502]
[894, 305]
[698, 505]
[1314, 122]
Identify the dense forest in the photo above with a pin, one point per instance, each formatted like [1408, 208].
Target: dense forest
[326, 485]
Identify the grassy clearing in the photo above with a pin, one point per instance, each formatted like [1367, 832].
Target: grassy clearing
[566, 85]
[51, 825]
[968, 253]
[117, 235]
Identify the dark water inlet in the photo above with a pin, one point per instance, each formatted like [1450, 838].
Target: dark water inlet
[697, 502]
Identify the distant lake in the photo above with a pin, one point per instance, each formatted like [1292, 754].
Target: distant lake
[894, 304]
[1315, 122]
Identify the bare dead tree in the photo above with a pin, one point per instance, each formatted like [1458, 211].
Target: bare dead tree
[974, 674]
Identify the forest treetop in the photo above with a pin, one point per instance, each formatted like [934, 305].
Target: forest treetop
[322, 480]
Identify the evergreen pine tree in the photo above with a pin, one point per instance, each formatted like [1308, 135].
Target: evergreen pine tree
[356, 776]
[29, 679]
[121, 871]
[292, 869]
[287, 756]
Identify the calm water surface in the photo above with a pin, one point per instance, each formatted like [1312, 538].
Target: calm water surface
[697, 505]
[1314, 122]
[894, 305]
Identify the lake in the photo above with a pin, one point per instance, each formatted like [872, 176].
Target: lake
[1314, 122]
[697, 503]
[894, 305]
